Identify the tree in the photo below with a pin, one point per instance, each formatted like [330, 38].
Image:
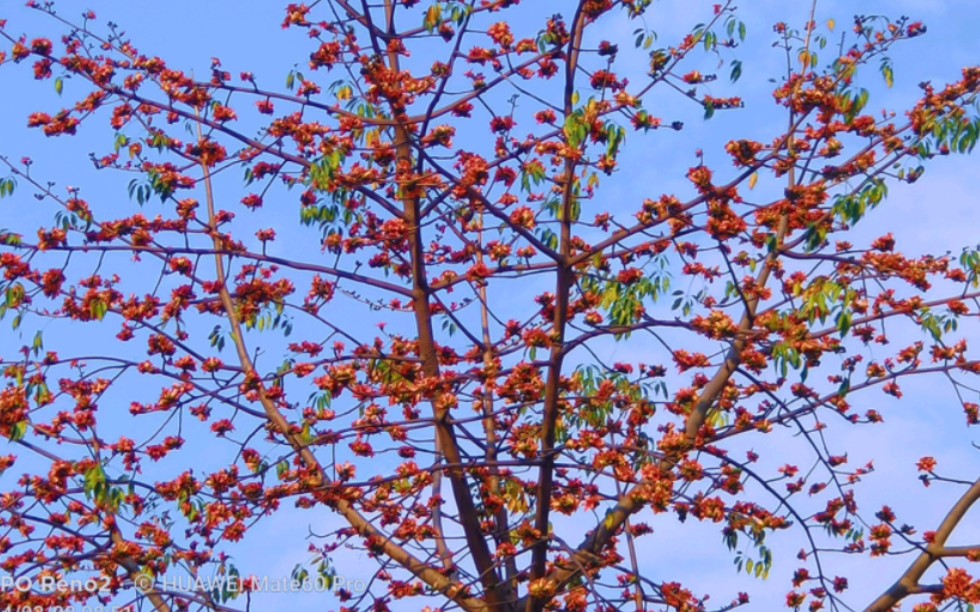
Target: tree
[499, 378]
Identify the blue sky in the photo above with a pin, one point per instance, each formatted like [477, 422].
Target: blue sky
[936, 214]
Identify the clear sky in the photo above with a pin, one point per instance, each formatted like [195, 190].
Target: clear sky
[939, 213]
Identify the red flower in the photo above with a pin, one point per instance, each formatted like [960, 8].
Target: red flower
[36, 120]
[41, 46]
[222, 427]
[502, 124]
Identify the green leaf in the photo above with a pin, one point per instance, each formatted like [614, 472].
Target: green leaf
[433, 17]
[574, 130]
[709, 110]
[59, 84]
[888, 74]
[736, 70]
[7, 187]
[97, 309]
[94, 481]
[18, 431]
[15, 296]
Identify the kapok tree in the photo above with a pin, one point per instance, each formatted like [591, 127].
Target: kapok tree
[426, 352]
